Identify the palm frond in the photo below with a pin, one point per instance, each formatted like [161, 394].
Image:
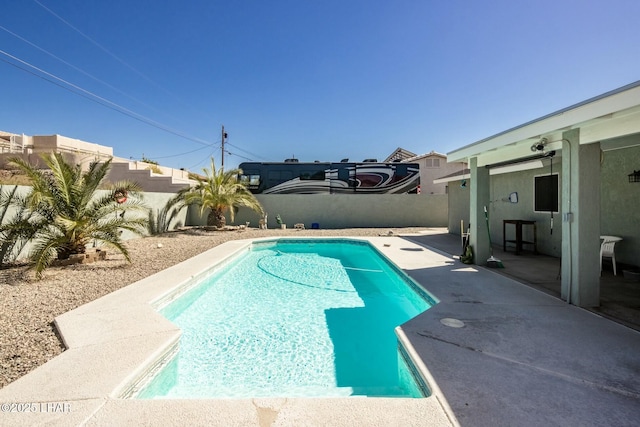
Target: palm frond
[219, 191]
[160, 219]
[64, 211]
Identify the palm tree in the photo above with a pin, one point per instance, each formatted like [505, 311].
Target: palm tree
[65, 212]
[220, 191]
[13, 235]
[160, 219]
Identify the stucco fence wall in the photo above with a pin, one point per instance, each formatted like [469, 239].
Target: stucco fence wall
[155, 201]
[329, 211]
[344, 211]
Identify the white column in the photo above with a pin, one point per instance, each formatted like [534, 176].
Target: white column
[479, 198]
[581, 216]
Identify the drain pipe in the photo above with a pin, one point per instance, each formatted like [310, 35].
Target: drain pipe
[568, 216]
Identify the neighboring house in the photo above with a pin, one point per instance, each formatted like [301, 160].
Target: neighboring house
[152, 178]
[399, 155]
[433, 165]
[30, 148]
[573, 172]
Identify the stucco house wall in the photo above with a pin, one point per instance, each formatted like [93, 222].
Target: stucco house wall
[620, 204]
[458, 203]
[549, 242]
[620, 201]
[429, 171]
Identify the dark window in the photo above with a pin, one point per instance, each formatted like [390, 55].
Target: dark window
[278, 177]
[312, 175]
[402, 171]
[254, 179]
[344, 174]
[250, 178]
[282, 175]
[546, 193]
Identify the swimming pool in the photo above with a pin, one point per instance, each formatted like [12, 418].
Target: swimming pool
[294, 318]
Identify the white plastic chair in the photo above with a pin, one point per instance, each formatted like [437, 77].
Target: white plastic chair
[607, 250]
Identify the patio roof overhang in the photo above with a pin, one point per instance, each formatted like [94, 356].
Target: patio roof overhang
[611, 115]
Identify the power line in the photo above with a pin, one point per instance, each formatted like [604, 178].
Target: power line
[200, 161]
[181, 154]
[238, 155]
[78, 69]
[114, 56]
[98, 99]
[95, 43]
[247, 152]
[118, 108]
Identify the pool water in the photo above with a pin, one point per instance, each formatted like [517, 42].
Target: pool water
[294, 318]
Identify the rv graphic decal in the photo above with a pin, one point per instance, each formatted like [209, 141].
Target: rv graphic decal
[330, 178]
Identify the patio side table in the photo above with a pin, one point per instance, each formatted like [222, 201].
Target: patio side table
[518, 223]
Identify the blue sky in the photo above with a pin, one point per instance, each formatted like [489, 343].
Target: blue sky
[318, 80]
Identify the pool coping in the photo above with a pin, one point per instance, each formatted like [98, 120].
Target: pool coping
[115, 341]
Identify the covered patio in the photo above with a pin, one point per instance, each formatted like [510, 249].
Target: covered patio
[619, 296]
[569, 175]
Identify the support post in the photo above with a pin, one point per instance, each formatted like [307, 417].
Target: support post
[479, 198]
[224, 135]
[581, 216]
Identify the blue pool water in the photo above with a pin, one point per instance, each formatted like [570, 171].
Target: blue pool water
[294, 318]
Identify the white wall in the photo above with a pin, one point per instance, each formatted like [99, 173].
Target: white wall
[620, 201]
[459, 203]
[151, 200]
[429, 173]
[344, 210]
[549, 243]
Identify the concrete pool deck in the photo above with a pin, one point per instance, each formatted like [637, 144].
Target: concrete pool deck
[522, 358]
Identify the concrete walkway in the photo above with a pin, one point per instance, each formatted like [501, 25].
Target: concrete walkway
[619, 297]
[523, 357]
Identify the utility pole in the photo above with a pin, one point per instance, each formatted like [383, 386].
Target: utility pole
[224, 136]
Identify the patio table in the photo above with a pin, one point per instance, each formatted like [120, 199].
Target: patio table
[518, 223]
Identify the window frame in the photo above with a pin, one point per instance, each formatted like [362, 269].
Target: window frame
[536, 179]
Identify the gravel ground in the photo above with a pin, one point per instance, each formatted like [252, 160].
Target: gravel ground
[28, 306]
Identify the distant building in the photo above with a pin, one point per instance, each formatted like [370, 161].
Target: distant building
[400, 155]
[30, 148]
[150, 177]
[432, 166]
